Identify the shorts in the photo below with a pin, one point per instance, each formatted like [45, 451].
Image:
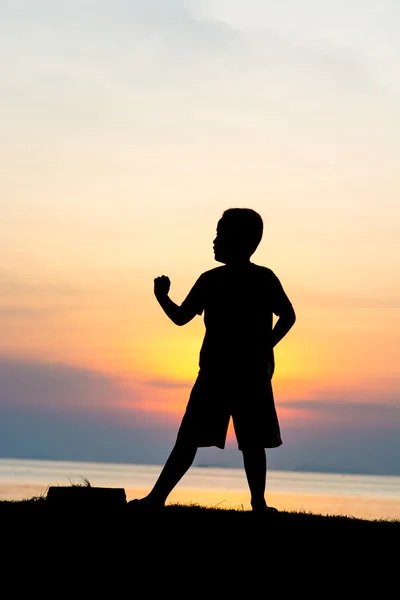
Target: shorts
[216, 397]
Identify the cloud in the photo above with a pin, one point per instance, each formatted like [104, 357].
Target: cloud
[12, 285]
[154, 72]
[115, 31]
[348, 431]
[167, 384]
[23, 296]
[58, 411]
[62, 412]
[42, 434]
[26, 312]
[360, 415]
[110, 75]
[58, 387]
[342, 449]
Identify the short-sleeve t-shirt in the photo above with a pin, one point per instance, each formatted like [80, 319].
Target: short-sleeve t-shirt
[238, 305]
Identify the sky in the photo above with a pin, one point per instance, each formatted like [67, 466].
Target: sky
[127, 128]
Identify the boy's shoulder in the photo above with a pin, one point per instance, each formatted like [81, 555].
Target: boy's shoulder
[223, 270]
[215, 272]
[266, 271]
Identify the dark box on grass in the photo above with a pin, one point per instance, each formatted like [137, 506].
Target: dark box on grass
[86, 496]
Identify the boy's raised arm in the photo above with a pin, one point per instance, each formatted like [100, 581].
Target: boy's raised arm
[177, 314]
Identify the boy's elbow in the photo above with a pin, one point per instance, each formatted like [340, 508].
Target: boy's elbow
[182, 317]
[179, 319]
[290, 317]
[183, 320]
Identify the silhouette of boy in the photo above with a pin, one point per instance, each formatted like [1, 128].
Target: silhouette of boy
[236, 358]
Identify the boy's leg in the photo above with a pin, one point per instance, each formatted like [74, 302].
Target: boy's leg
[255, 466]
[178, 463]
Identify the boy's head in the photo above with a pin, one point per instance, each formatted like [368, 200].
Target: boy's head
[239, 232]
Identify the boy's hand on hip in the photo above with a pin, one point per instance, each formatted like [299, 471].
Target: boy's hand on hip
[161, 286]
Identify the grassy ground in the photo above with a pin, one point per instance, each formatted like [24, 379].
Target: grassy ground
[193, 524]
[206, 548]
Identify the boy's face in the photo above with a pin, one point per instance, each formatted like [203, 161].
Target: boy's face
[227, 244]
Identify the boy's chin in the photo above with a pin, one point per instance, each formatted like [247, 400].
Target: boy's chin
[219, 258]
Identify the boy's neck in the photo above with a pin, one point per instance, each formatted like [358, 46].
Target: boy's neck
[240, 262]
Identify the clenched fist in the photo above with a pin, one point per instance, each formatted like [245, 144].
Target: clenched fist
[161, 286]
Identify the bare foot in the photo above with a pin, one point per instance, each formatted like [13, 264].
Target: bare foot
[263, 508]
[146, 503]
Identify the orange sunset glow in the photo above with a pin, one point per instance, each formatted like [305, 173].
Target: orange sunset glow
[124, 140]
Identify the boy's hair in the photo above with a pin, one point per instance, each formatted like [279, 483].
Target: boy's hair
[247, 224]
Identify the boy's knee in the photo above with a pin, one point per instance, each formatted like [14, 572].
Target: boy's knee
[185, 445]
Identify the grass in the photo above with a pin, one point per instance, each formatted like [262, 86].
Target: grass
[191, 545]
[180, 515]
[216, 539]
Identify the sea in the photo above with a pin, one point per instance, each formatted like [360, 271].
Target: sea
[370, 497]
